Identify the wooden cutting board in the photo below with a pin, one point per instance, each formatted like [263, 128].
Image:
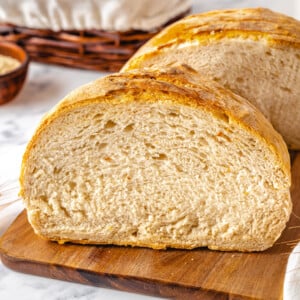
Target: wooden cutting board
[195, 274]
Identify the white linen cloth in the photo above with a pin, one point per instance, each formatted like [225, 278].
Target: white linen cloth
[120, 15]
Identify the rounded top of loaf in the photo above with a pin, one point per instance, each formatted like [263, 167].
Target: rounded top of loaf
[179, 85]
[253, 23]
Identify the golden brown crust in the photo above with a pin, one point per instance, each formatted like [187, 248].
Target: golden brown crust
[250, 23]
[180, 85]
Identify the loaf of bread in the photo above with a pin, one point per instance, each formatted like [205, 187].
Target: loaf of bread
[157, 159]
[253, 52]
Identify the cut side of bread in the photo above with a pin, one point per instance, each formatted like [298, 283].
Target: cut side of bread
[157, 159]
[253, 52]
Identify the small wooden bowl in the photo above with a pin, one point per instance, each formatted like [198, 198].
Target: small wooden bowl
[11, 83]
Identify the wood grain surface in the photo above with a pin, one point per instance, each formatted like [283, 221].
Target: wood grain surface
[181, 274]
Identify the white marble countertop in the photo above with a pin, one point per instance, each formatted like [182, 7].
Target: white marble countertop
[46, 85]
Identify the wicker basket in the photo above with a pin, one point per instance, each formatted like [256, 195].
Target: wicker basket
[88, 49]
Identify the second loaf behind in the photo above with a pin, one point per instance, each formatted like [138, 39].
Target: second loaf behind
[254, 52]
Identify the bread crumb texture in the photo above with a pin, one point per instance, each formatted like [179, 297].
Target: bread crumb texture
[157, 159]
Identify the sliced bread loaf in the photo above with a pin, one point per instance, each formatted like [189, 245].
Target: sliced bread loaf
[253, 52]
[157, 159]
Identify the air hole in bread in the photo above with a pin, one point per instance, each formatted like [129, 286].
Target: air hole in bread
[149, 145]
[56, 170]
[109, 124]
[135, 233]
[217, 79]
[128, 128]
[43, 198]
[160, 156]
[180, 138]
[100, 145]
[286, 89]
[178, 168]
[224, 136]
[222, 116]
[97, 116]
[72, 185]
[108, 159]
